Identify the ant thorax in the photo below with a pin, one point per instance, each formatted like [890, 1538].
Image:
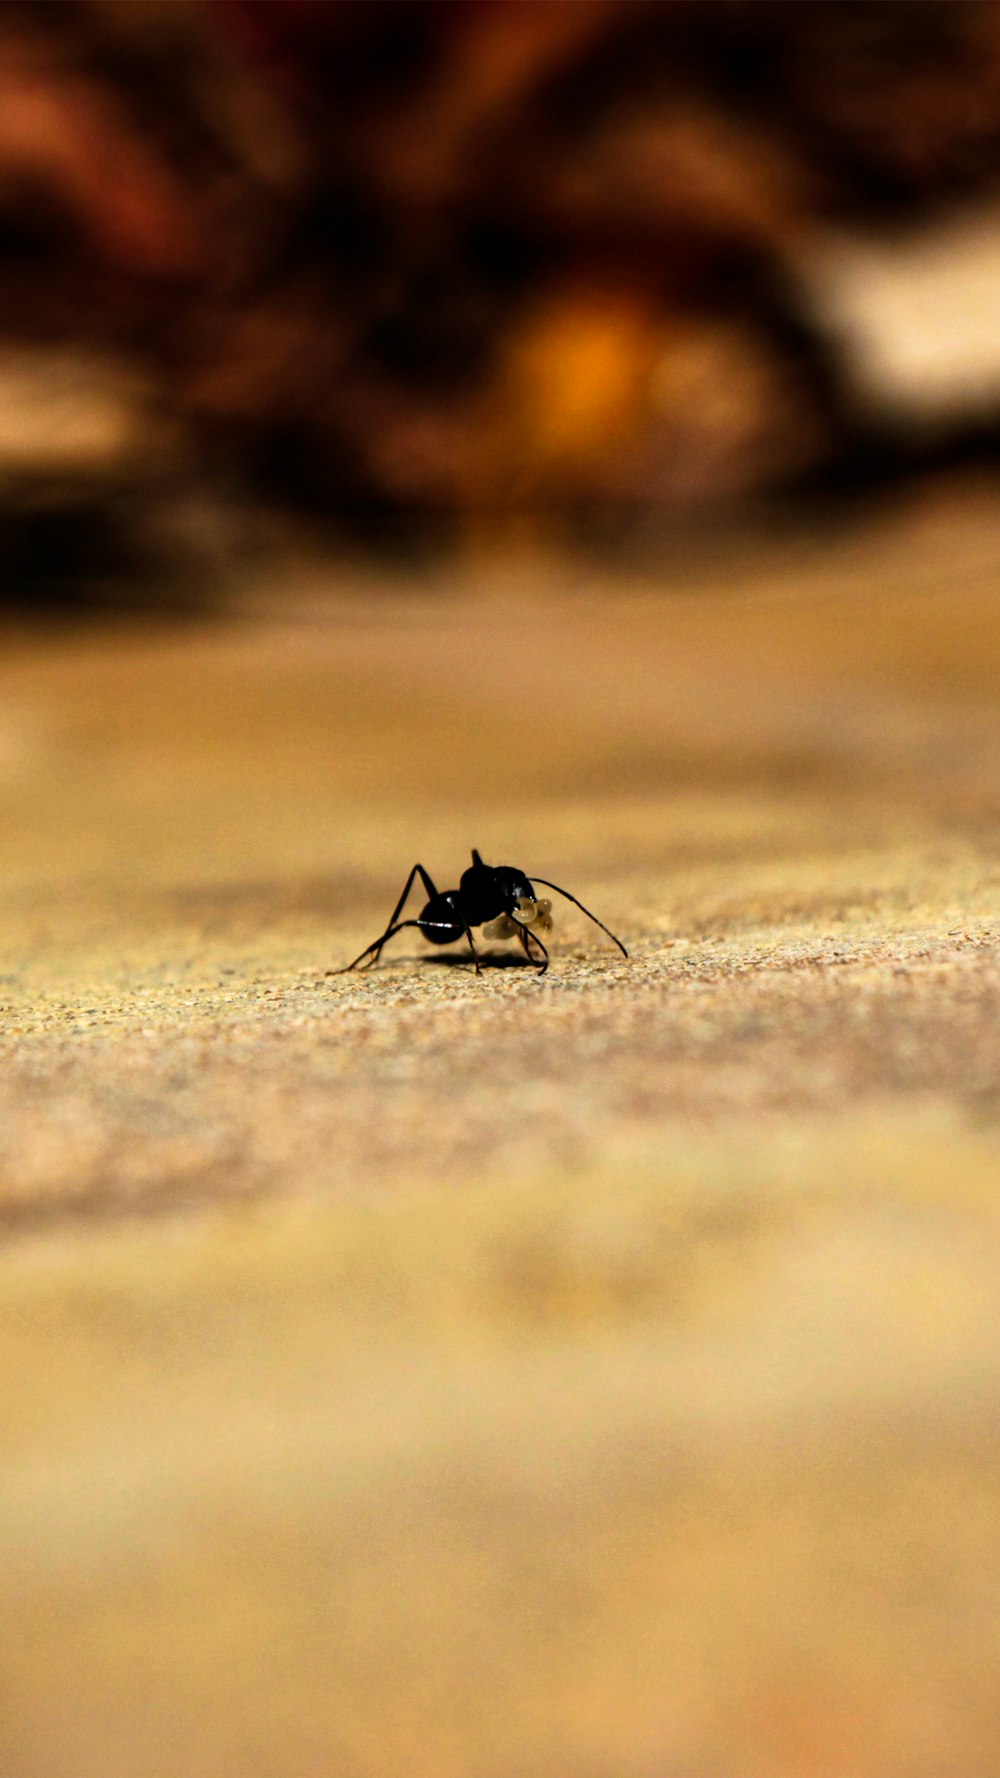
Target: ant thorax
[536, 915]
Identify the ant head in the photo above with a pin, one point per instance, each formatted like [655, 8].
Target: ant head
[502, 899]
[521, 905]
[512, 885]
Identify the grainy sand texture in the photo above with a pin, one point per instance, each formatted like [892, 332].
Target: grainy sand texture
[415, 1375]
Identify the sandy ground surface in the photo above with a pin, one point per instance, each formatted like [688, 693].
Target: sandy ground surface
[410, 1373]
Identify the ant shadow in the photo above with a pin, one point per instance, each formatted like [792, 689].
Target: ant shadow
[487, 960]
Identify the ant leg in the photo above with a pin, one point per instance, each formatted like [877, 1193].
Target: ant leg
[468, 934]
[417, 871]
[391, 927]
[374, 950]
[524, 935]
[579, 904]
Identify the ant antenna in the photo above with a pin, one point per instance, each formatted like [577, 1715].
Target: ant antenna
[565, 892]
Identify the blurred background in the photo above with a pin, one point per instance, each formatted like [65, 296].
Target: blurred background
[424, 275]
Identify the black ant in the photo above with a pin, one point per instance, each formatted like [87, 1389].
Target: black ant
[498, 898]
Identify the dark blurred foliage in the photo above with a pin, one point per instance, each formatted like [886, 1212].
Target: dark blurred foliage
[377, 262]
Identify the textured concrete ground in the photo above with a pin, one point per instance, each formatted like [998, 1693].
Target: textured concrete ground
[410, 1373]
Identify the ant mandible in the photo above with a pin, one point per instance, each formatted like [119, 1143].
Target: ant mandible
[498, 898]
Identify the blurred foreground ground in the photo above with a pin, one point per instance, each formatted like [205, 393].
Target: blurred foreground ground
[517, 1378]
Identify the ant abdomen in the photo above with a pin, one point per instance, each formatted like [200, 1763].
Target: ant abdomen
[442, 927]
